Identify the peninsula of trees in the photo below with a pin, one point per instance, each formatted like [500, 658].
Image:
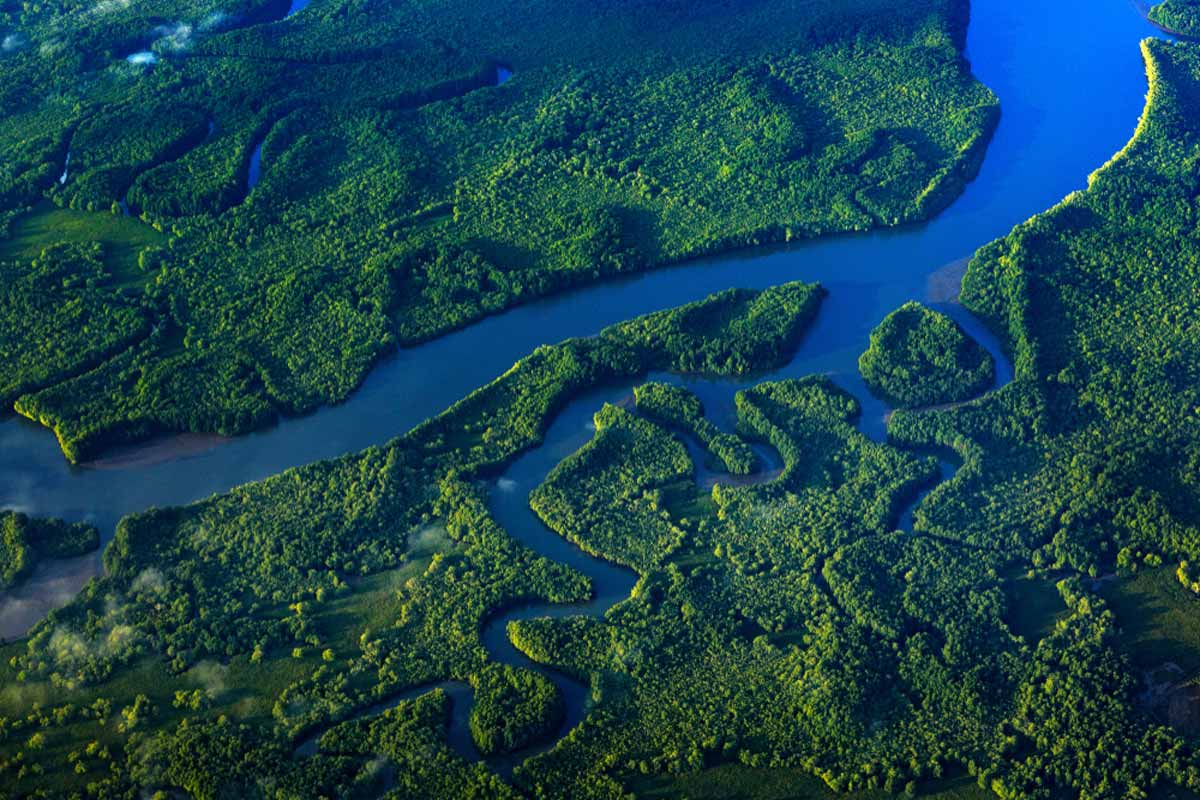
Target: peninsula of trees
[317, 189]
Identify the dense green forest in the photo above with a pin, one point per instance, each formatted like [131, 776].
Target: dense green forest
[1085, 463]
[677, 406]
[26, 540]
[1179, 16]
[918, 357]
[234, 626]
[781, 625]
[401, 192]
[1031, 634]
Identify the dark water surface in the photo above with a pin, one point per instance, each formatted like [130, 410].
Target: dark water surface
[1070, 79]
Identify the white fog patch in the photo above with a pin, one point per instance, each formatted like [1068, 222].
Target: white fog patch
[507, 485]
[375, 767]
[429, 539]
[213, 21]
[149, 580]
[110, 6]
[12, 41]
[211, 677]
[173, 37]
[143, 58]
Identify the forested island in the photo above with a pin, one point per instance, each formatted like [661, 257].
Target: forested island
[919, 357]
[225, 212]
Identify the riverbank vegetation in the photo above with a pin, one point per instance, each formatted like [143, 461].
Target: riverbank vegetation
[1178, 16]
[24, 541]
[919, 357]
[404, 193]
[1083, 465]
[677, 406]
[607, 498]
[513, 708]
[248, 605]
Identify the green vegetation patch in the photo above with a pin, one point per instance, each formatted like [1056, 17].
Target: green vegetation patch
[1158, 617]
[733, 332]
[400, 192]
[26, 540]
[411, 737]
[122, 238]
[607, 498]
[1178, 16]
[60, 314]
[920, 357]
[679, 407]
[513, 708]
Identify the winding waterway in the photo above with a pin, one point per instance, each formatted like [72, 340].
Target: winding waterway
[1056, 128]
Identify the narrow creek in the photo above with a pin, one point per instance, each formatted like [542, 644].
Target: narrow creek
[1052, 135]
[508, 501]
[509, 504]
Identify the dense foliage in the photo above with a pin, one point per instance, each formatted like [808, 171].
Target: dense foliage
[1085, 463]
[61, 313]
[513, 708]
[25, 540]
[1180, 16]
[919, 357]
[400, 192]
[677, 406]
[264, 580]
[607, 498]
[1014, 632]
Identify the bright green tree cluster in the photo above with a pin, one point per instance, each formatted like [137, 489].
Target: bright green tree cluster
[1179, 16]
[919, 357]
[24, 541]
[679, 407]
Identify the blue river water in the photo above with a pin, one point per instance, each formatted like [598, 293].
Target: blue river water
[1072, 85]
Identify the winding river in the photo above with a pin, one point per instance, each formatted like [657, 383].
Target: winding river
[1051, 136]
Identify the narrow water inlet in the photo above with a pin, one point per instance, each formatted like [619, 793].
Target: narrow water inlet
[254, 170]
